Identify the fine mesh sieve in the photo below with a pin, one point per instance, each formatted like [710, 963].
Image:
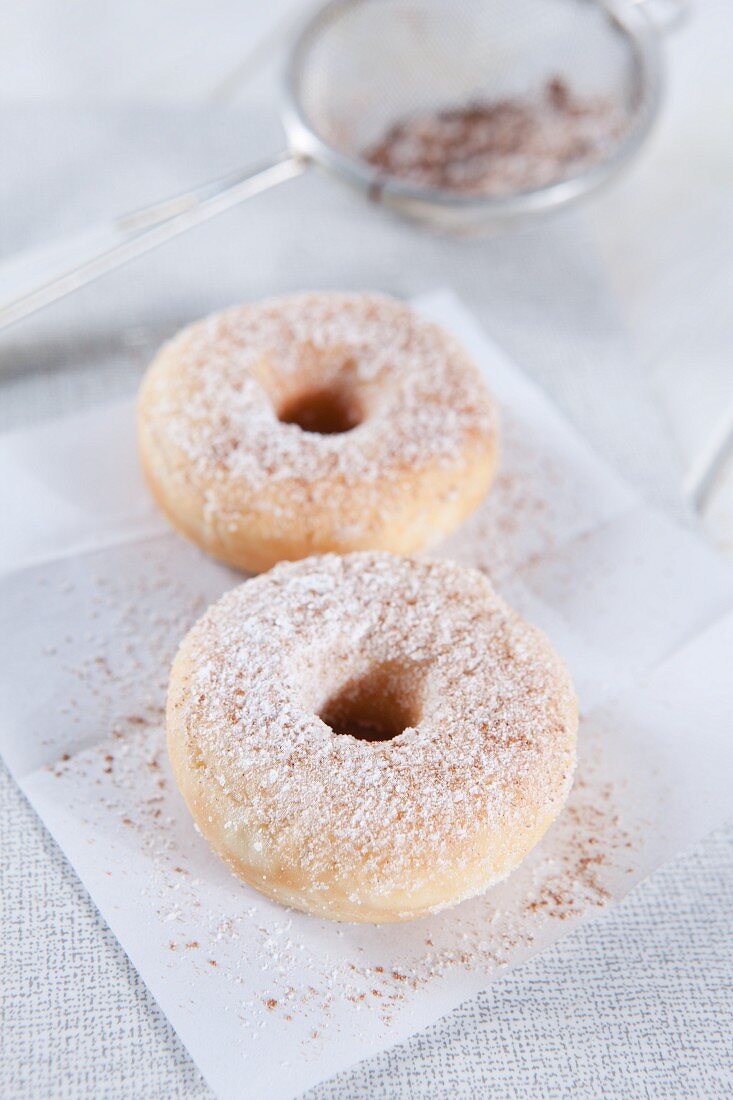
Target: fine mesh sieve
[359, 67]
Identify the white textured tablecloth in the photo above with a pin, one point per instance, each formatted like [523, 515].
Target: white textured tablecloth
[638, 1004]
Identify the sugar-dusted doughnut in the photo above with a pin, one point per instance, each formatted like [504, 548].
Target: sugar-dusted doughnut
[314, 423]
[369, 737]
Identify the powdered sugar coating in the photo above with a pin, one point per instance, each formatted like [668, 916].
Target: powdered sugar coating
[216, 390]
[319, 818]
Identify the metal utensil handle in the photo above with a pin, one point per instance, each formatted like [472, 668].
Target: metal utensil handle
[139, 232]
[664, 15]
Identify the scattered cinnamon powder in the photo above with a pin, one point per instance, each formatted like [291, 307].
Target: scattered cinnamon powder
[571, 873]
[503, 147]
[578, 866]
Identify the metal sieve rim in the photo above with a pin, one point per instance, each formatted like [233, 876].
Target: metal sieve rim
[306, 142]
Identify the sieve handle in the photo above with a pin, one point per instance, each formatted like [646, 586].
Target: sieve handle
[664, 15]
[98, 251]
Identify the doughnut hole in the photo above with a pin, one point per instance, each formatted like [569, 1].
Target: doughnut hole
[377, 705]
[326, 411]
[322, 396]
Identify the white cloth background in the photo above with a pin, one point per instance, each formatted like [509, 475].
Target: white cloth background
[638, 1004]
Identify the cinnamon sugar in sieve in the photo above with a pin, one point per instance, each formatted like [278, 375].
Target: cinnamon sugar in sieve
[503, 147]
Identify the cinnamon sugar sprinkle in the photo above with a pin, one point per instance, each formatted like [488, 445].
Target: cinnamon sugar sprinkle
[486, 729]
[271, 964]
[505, 147]
[407, 393]
[569, 875]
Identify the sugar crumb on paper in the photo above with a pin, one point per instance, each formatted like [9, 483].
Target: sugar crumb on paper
[565, 878]
[121, 790]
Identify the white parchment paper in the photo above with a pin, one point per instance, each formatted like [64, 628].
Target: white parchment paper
[95, 593]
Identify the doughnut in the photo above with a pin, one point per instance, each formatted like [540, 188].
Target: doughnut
[369, 737]
[315, 423]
